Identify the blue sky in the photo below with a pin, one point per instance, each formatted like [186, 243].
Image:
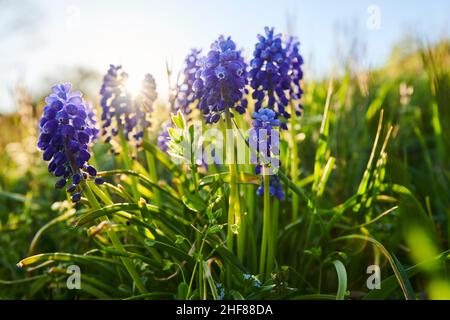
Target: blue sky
[142, 35]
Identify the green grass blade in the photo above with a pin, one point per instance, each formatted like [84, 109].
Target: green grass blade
[397, 267]
[342, 279]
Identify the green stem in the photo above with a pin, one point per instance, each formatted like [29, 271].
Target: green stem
[234, 208]
[195, 176]
[234, 214]
[152, 172]
[266, 225]
[272, 238]
[196, 264]
[127, 163]
[288, 182]
[250, 223]
[241, 240]
[245, 206]
[294, 165]
[115, 240]
[194, 170]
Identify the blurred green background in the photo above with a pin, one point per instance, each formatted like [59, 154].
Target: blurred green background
[412, 87]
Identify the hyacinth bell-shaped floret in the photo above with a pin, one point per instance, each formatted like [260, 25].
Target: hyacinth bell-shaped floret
[185, 95]
[264, 122]
[275, 73]
[220, 81]
[295, 72]
[65, 134]
[265, 119]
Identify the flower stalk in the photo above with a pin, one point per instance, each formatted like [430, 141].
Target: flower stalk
[128, 163]
[152, 171]
[294, 165]
[234, 208]
[265, 252]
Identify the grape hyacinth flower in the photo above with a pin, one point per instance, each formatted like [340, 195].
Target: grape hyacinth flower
[261, 137]
[220, 291]
[295, 72]
[275, 73]
[264, 140]
[164, 137]
[185, 94]
[251, 278]
[92, 120]
[143, 105]
[220, 81]
[65, 133]
[269, 72]
[275, 188]
[120, 111]
[115, 101]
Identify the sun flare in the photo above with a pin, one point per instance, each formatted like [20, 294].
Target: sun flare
[134, 86]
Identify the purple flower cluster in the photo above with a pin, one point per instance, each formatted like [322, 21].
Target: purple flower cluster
[220, 81]
[119, 110]
[92, 120]
[275, 70]
[295, 72]
[275, 188]
[266, 145]
[164, 137]
[262, 140]
[143, 106]
[115, 102]
[65, 133]
[185, 94]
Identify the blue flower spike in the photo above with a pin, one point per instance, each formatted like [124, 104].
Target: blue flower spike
[220, 81]
[65, 134]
